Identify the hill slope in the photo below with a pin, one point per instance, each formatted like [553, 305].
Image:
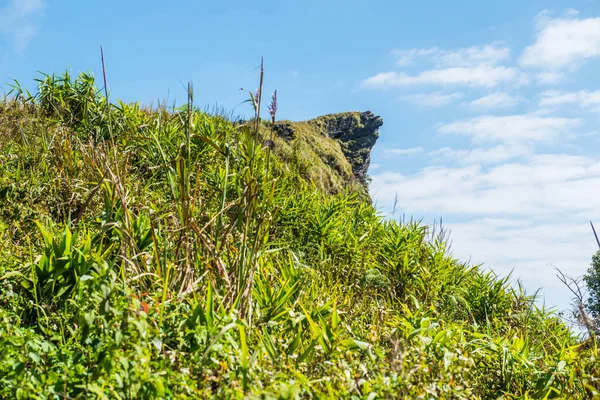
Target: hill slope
[174, 254]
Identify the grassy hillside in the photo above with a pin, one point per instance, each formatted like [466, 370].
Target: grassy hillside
[152, 253]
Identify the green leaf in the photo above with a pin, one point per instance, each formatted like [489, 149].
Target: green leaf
[159, 387]
[335, 319]
[34, 357]
[11, 274]
[352, 344]
[209, 310]
[244, 347]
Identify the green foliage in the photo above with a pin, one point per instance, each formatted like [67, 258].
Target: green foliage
[55, 274]
[592, 281]
[154, 253]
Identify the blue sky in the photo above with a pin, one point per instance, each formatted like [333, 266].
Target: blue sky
[491, 109]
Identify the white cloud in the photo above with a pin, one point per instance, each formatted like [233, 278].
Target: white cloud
[413, 150]
[495, 100]
[549, 77]
[583, 98]
[529, 249]
[473, 56]
[491, 155]
[436, 99]
[408, 57]
[511, 128]
[476, 66]
[563, 42]
[540, 186]
[463, 57]
[17, 21]
[479, 76]
[523, 241]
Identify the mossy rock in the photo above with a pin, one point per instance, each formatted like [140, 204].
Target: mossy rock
[333, 150]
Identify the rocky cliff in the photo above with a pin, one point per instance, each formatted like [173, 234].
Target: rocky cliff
[357, 134]
[343, 142]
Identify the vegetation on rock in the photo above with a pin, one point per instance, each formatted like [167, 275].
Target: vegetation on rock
[154, 253]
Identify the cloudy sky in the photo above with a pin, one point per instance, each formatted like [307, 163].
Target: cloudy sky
[491, 109]
[509, 155]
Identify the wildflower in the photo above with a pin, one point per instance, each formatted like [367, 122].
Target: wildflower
[273, 106]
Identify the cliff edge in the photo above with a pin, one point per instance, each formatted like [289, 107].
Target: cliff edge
[334, 150]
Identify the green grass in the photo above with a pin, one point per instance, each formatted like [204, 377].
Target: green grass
[314, 156]
[154, 253]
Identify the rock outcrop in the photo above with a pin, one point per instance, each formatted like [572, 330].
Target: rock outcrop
[356, 133]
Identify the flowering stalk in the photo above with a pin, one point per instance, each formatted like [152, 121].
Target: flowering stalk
[273, 112]
[273, 106]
